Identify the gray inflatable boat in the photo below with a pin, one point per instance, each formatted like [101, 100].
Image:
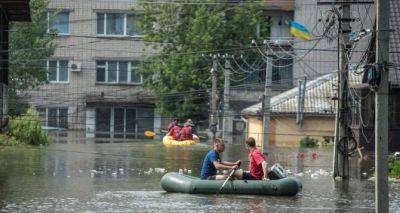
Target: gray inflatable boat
[175, 182]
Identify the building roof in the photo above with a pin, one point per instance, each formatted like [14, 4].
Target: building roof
[319, 97]
[394, 45]
[16, 10]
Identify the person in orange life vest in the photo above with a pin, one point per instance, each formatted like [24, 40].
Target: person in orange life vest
[172, 124]
[175, 132]
[186, 132]
[191, 124]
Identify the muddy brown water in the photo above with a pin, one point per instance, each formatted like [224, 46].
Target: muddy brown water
[124, 177]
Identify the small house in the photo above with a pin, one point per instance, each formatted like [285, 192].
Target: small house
[317, 112]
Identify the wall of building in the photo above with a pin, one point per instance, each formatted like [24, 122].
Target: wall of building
[285, 132]
[255, 129]
[323, 58]
[363, 124]
[83, 45]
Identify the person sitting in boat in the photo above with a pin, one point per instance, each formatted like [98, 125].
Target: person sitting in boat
[191, 124]
[258, 166]
[186, 132]
[172, 124]
[212, 162]
[176, 132]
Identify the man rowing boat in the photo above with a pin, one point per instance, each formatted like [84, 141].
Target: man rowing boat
[258, 167]
[212, 162]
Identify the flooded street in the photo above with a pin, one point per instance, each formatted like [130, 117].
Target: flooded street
[124, 177]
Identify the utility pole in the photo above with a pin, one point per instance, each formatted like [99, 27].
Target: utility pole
[267, 104]
[228, 119]
[214, 80]
[381, 107]
[300, 101]
[341, 158]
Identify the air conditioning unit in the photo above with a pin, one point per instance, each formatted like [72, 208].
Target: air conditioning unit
[75, 66]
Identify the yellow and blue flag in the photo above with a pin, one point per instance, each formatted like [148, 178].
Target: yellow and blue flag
[299, 31]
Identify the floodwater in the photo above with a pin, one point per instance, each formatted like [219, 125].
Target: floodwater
[84, 176]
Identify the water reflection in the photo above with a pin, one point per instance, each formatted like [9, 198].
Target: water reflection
[88, 176]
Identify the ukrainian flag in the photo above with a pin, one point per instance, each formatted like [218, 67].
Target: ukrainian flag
[299, 31]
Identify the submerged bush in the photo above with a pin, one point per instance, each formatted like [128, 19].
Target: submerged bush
[326, 141]
[394, 166]
[6, 140]
[27, 128]
[308, 142]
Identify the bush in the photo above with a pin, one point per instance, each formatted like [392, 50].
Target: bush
[6, 140]
[326, 141]
[394, 166]
[308, 142]
[27, 128]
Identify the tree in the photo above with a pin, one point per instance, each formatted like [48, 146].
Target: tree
[181, 75]
[30, 45]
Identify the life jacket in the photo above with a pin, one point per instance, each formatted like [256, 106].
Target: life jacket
[186, 133]
[171, 126]
[176, 132]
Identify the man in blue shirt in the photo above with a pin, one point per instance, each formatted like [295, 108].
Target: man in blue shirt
[212, 163]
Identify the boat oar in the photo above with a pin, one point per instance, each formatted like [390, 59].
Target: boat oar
[229, 177]
[151, 134]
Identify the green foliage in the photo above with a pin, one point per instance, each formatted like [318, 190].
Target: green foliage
[186, 31]
[27, 128]
[394, 166]
[30, 45]
[6, 140]
[16, 104]
[326, 141]
[308, 142]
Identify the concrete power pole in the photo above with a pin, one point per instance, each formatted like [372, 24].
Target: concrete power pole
[267, 105]
[381, 107]
[228, 119]
[341, 159]
[214, 81]
[300, 101]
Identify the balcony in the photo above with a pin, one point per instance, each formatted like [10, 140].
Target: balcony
[283, 5]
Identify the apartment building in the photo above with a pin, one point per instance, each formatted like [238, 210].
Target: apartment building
[94, 84]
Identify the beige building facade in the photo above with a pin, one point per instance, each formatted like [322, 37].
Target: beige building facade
[93, 81]
[285, 131]
[317, 112]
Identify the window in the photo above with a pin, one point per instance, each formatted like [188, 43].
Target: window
[54, 116]
[120, 72]
[103, 118]
[42, 115]
[119, 121]
[57, 71]
[282, 71]
[124, 123]
[58, 22]
[118, 24]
